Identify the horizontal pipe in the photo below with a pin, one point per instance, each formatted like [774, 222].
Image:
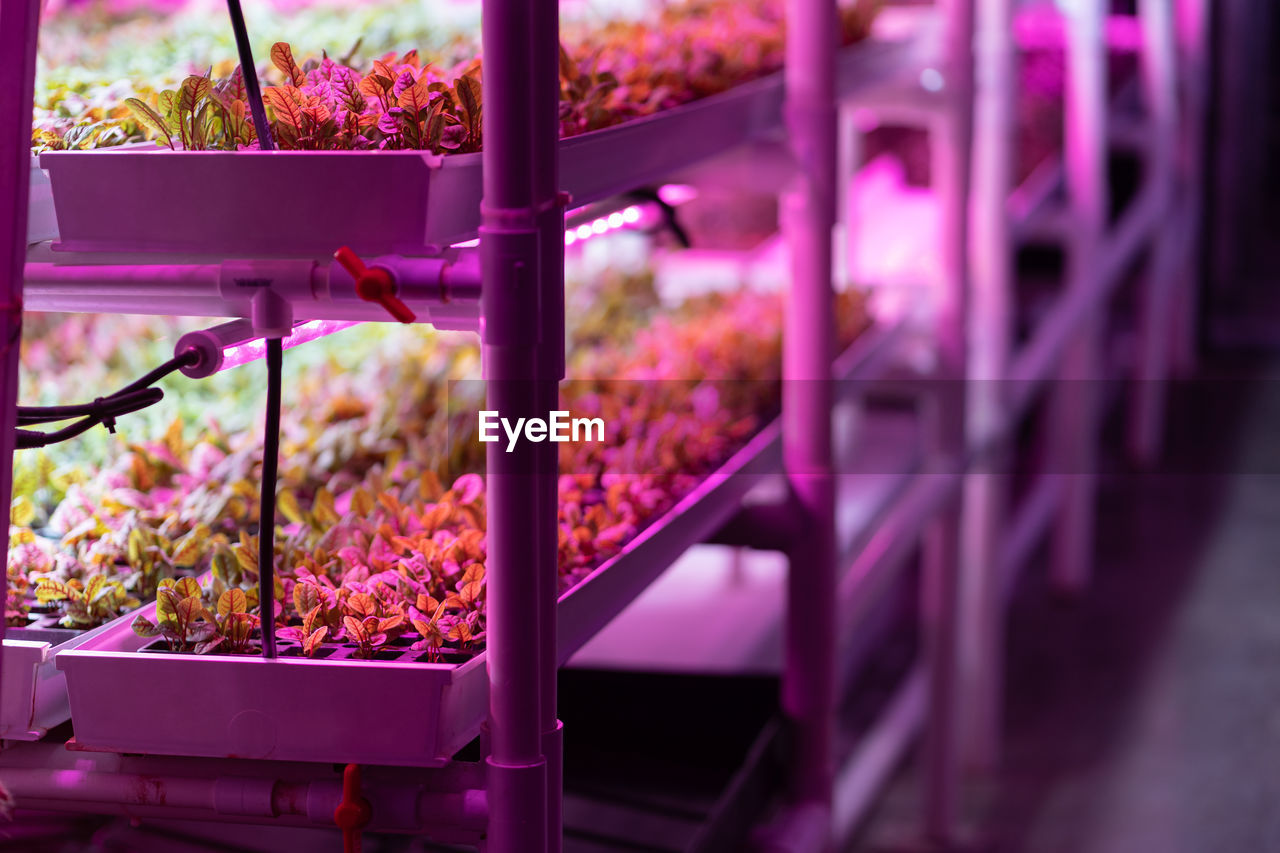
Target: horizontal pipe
[443, 292]
[122, 789]
[248, 799]
[48, 776]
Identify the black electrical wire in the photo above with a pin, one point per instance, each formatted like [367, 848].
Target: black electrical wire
[188, 358]
[104, 411]
[670, 216]
[267, 500]
[28, 415]
[250, 75]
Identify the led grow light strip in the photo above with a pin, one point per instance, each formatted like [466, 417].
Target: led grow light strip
[603, 225]
[233, 344]
[239, 354]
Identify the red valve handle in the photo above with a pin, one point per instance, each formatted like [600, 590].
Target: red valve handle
[374, 285]
[353, 812]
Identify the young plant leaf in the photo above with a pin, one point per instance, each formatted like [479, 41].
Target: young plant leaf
[150, 119]
[282, 58]
[232, 601]
[144, 627]
[187, 588]
[314, 639]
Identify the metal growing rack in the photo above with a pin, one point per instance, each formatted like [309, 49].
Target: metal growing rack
[513, 196]
[1064, 358]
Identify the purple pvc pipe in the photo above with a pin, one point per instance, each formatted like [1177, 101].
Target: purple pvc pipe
[990, 342]
[1193, 43]
[1074, 407]
[19, 21]
[1159, 66]
[544, 33]
[808, 681]
[946, 434]
[520, 148]
[508, 116]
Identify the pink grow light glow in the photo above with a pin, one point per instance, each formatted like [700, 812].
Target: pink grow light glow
[254, 350]
[603, 225]
[672, 194]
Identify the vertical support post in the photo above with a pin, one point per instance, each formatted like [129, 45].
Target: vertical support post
[1159, 67]
[1193, 25]
[951, 149]
[1075, 398]
[19, 23]
[808, 681]
[848, 161]
[544, 32]
[1241, 39]
[520, 345]
[990, 337]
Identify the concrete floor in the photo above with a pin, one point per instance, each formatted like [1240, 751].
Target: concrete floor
[1145, 718]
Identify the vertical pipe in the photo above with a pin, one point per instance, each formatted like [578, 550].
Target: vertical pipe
[513, 355]
[991, 331]
[848, 160]
[1193, 67]
[953, 133]
[19, 22]
[1159, 67]
[808, 681]
[1074, 407]
[545, 47]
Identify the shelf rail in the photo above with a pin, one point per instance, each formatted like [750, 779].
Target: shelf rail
[19, 22]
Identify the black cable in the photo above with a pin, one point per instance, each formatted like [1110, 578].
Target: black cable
[28, 415]
[188, 358]
[106, 411]
[670, 217]
[250, 75]
[267, 500]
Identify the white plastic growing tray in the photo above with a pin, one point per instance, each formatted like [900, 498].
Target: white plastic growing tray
[293, 709]
[307, 203]
[34, 695]
[376, 712]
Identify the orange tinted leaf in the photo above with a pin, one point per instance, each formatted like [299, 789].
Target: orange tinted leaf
[233, 601]
[306, 597]
[282, 58]
[355, 630]
[361, 502]
[187, 587]
[362, 605]
[314, 639]
[285, 105]
[190, 610]
[415, 99]
[50, 590]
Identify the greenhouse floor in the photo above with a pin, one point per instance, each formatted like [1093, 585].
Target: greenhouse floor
[1144, 718]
